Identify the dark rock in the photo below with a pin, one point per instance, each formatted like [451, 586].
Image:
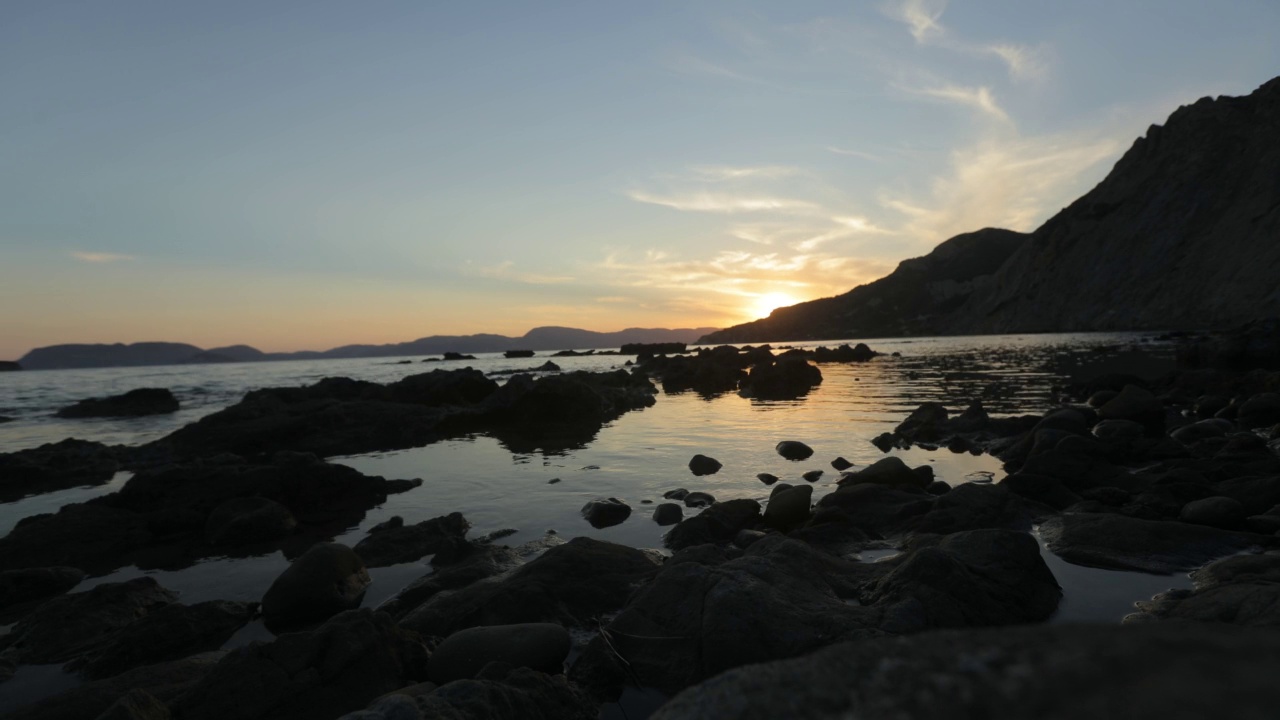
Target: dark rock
[171, 632]
[538, 646]
[480, 562]
[1118, 430]
[812, 476]
[500, 693]
[1258, 494]
[746, 538]
[698, 499]
[1040, 488]
[71, 625]
[341, 666]
[926, 423]
[786, 379]
[703, 465]
[884, 441]
[509, 354]
[458, 356]
[605, 513]
[668, 514]
[9, 366]
[794, 450]
[328, 579]
[548, 366]
[886, 471]
[1107, 495]
[767, 478]
[393, 542]
[938, 487]
[1197, 431]
[1261, 410]
[90, 537]
[21, 590]
[858, 353]
[1149, 672]
[677, 494]
[135, 403]
[1115, 541]
[1240, 590]
[840, 464]
[780, 487]
[876, 509]
[137, 705]
[248, 520]
[163, 681]
[1219, 512]
[1102, 397]
[789, 509]
[717, 524]
[1133, 403]
[567, 585]
[55, 466]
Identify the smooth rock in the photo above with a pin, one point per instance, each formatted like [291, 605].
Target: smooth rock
[168, 633]
[698, 499]
[766, 478]
[393, 542]
[668, 514]
[794, 450]
[1219, 512]
[538, 646]
[606, 513]
[886, 471]
[135, 403]
[717, 524]
[703, 465]
[1124, 543]
[248, 520]
[840, 464]
[790, 508]
[326, 580]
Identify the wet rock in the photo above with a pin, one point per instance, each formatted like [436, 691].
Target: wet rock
[926, 423]
[393, 542]
[677, 494]
[884, 441]
[567, 585]
[163, 681]
[698, 499]
[548, 366]
[786, 379]
[767, 478]
[858, 353]
[874, 508]
[248, 520]
[1133, 403]
[789, 509]
[703, 465]
[328, 579]
[718, 524]
[137, 705]
[1150, 672]
[1261, 410]
[780, 487]
[840, 464]
[668, 514]
[1205, 429]
[886, 471]
[480, 562]
[1040, 488]
[606, 513]
[135, 403]
[1102, 397]
[538, 646]
[71, 625]
[54, 466]
[339, 667]
[938, 487]
[21, 590]
[1219, 512]
[501, 693]
[1239, 590]
[812, 476]
[87, 536]
[746, 538]
[1118, 430]
[171, 632]
[794, 450]
[1258, 494]
[1124, 543]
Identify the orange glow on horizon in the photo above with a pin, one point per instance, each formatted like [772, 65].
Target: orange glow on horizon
[768, 302]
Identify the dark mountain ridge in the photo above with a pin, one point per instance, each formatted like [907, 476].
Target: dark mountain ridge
[162, 353]
[1183, 233]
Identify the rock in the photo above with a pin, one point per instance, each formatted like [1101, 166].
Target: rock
[780, 487]
[884, 441]
[677, 494]
[71, 625]
[168, 633]
[605, 513]
[840, 464]
[54, 466]
[1240, 590]
[1133, 403]
[135, 403]
[938, 487]
[1148, 672]
[1040, 488]
[500, 693]
[746, 538]
[248, 520]
[789, 509]
[137, 705]
[90, 537]
[766, 478]
[1118, 430]
[703, 465]
[926, 423]
[717, 524]
[699, 499]
[393, 542]
[548, 366]
[1257, 494]
[1124, 543]
[1219, 512]
[538, 646]
[794, 450]
[1261, 410]
[482, 561]
[21, 590]
[568, 585]
[1102, 397]
[812, 476]
[1197, 431]
[163, 681]
[886, 471]
[668, 514]
[339, 667]
[324, 581]
[786, 379]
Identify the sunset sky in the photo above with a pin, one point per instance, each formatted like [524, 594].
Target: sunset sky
[299, 175]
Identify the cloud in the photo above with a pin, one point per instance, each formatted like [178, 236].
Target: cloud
[855, 153]
[725, 202]
[715, 173]
[504, 271]
[921, 18]
[1024, 63]
[978, 98]
[100, 257]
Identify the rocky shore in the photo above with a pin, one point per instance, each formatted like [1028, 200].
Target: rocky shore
[893, 595]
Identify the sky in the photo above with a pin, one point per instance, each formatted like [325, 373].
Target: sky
[300, 175]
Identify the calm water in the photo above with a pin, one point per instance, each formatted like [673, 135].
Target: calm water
[636, 458]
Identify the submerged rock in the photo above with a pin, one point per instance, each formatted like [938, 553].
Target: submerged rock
[135, 403]
[787, 379]
[392, 542]
[794, 450]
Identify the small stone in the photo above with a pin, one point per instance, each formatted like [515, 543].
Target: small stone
[606, 513]
[794, 450]
[668, 514]
[840, 464]
[703, 465]
[766, 478]
[699, 499]
[677, 494]
[790, 508]
[1219, 512]
[553, 481]
[812, 475]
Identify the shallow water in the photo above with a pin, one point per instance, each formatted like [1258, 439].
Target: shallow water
[636, 458]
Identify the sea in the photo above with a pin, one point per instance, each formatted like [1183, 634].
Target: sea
[635, 458]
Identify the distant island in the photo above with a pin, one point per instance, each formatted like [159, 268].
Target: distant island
[56, 357]
[1181, 235]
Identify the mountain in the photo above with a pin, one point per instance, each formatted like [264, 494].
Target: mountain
[915, 299]
[154, 353]
[1183, 233]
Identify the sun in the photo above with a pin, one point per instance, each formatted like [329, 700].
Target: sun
[768, 302]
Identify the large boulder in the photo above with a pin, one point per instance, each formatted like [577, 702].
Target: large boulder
[171, 632]
[21, 590]
[392, 542]
[462, 655]
[163, 681]
[786, 379]
[1240, 590]
[135, 403]
[324, 581]
[502, 693]
[1114, 541]
[789, 509]
[54, 466]
[719, 523]
[1153, 672]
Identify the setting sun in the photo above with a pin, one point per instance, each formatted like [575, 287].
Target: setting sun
[768, 302]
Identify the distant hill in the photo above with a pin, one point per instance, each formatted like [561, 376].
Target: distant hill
[159, 353]
[913, 300]
[1184, 233]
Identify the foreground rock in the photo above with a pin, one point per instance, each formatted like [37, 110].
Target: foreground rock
[393, 542]
[1239, 590]
[327, 579]
[1055, 673]
[501, 694]
[54, 466]
[337, 668]
[169, 633]
[135, 403]
[1114, 541]
[787, 379]
[462, 655]
[22, 590]
[163, 681]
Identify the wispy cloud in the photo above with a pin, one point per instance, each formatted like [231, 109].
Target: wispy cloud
[978, 98]
[716, 173]
[100, 257]
[1024, 63]
[506, 271]
[725, 202]
[854, 153]
[923, 19]
[686, 64]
